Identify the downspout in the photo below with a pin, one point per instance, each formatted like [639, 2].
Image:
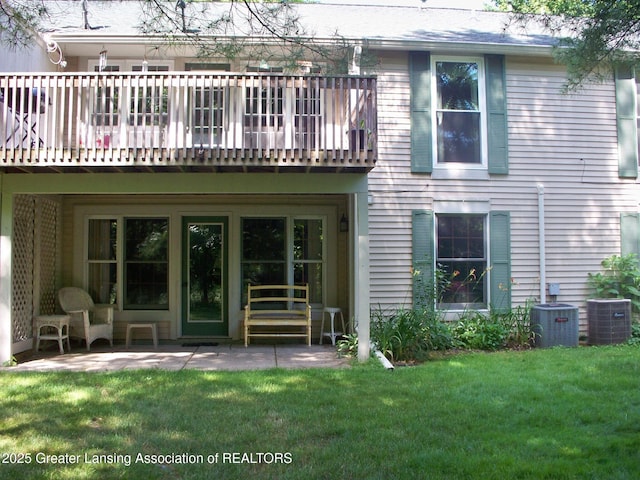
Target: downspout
[379, 355]
[541, 242]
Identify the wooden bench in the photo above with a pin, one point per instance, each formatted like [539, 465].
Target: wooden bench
[277, 311]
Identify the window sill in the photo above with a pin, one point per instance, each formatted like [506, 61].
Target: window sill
[456, 315]
[460, 172]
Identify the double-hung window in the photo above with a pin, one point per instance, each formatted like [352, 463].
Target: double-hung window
[131, 252]
[146, 263]
[102, 262]
[284, 251]
[459, 113]
[106, 107]
[208, 103]
[149, 103]
[458, 108]
[462, 259]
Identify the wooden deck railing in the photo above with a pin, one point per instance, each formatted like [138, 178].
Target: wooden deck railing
[187, 120]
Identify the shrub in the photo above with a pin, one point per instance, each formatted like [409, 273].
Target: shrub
[635, 334]
[479, 331]
[620, 279]
[409, 335]
[400, 336]
[348, 346]
[518, 323]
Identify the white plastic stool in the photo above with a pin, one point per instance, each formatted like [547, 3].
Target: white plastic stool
[333, 334]
[152, 326]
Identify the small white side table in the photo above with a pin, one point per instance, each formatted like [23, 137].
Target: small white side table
[332, 312]
[150, 325]
[50, 322]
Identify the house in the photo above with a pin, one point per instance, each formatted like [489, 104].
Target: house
[165, 183]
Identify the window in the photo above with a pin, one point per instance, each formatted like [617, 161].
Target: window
[208, 113]
[451, 130]
[146, 263]
[264, 106]
[308, 256]
[308, 116]
[149, 105]
[264, 257]
[140, 264]
[106, 101]
[461, 242]
[264, 114]
[102, 265]
[461, 254]
[207, 106]
[283, 250]
[458, 112]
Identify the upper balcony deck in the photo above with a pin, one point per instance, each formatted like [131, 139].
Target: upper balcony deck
[187, 121]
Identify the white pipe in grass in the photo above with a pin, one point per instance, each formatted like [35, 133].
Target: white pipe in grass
[383, 360]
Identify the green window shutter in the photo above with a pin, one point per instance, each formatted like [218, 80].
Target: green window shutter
[497, 135]
[420, 79]
[626, 119]
[500, 256]
[629, 233]
[423, 250]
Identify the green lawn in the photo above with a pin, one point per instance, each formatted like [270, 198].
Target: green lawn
[553, 413]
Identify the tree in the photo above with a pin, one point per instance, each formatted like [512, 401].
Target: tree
[19, 20]
[258, 29]
[594, 35]
[267, 29]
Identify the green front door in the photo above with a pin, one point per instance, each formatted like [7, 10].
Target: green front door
[204, 276]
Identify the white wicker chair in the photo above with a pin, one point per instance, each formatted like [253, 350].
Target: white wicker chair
[88, 321]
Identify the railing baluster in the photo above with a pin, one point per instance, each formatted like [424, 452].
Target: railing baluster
[182, 119]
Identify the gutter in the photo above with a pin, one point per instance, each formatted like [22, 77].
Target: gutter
[181, 40]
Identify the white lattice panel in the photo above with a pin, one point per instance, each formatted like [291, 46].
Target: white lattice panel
[22, 267]
[47, 215]
[35, 244]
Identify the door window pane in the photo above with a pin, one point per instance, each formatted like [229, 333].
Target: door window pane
[205, 243]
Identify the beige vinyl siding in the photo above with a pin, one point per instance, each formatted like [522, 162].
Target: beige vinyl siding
[392, 189]
[565, 142]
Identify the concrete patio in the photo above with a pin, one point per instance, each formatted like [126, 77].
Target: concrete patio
[103, 358]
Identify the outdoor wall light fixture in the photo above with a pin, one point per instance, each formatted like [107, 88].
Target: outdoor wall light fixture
[344, 224]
